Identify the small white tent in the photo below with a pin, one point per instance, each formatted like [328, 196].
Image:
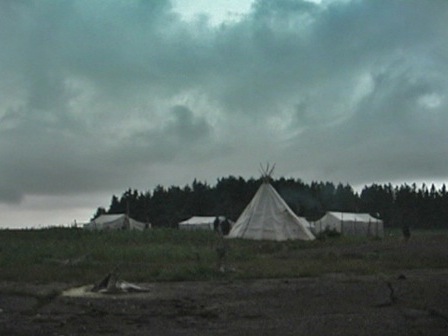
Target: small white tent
[268, 217]
[198, 223]
[206, 223]
[116, 222]
[350, 224]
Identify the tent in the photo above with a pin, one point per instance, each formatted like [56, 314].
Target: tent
[351, 224]
[116, 222]
[205, 223]
[268, 217]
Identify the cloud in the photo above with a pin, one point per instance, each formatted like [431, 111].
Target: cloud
[99, 96]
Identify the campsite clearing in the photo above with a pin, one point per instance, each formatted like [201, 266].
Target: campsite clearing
[402, 291]
[334, 304]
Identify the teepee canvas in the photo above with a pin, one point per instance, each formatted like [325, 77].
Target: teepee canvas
[268, 217]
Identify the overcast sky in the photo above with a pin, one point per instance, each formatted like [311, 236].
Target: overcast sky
[100, 96]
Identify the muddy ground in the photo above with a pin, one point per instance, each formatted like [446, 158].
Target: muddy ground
[405, 303]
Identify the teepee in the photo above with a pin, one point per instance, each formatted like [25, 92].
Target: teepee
[268, 217]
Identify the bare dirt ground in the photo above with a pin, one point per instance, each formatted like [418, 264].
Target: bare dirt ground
[406, 303]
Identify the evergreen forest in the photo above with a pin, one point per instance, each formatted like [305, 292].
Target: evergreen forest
[412, 206]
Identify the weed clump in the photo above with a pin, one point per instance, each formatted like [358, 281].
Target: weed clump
[328, 234]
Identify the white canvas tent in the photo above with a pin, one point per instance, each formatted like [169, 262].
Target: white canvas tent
[268, 217]
[198, 223]
[203, 223]
[351, 224]
[116, 222]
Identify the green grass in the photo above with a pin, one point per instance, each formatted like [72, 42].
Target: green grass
[78, 257]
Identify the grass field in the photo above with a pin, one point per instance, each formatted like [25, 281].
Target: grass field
[75, 256]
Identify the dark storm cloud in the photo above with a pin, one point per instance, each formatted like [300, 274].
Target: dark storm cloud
[183, 136]
[97, 95]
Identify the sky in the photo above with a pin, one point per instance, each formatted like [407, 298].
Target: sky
[100, 96]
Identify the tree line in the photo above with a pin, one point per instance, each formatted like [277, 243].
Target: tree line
[398, 206]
